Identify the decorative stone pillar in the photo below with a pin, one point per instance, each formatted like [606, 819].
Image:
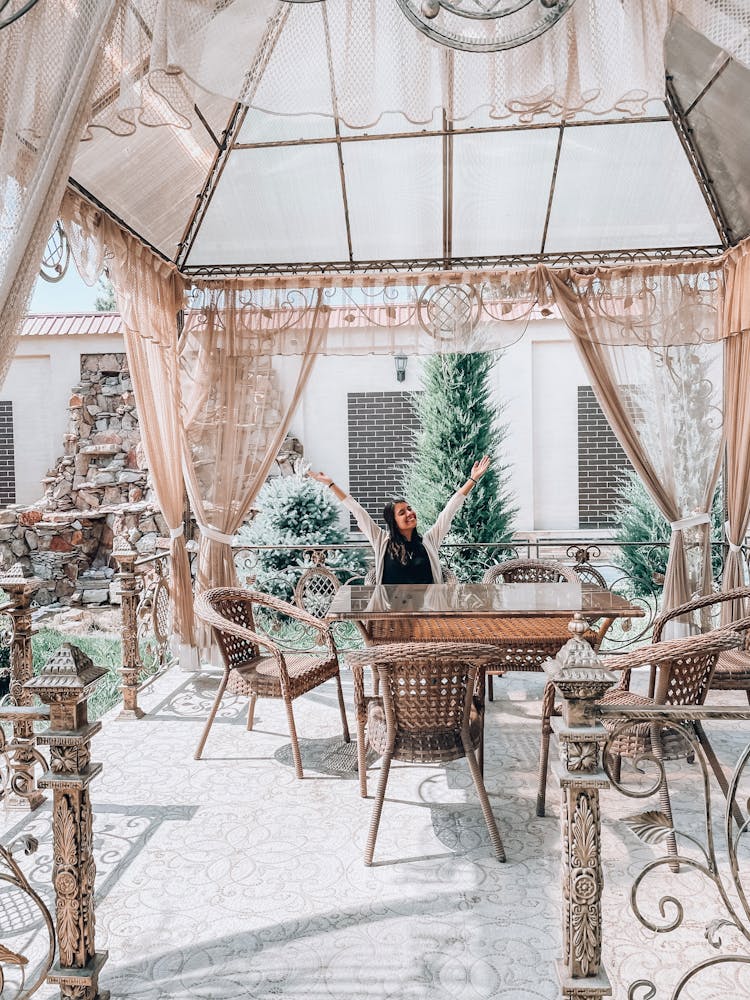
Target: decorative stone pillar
[21, 588]
[132, 665]
[581, 680]
[65, 684]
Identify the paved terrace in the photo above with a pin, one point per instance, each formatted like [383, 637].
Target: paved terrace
[228, 878]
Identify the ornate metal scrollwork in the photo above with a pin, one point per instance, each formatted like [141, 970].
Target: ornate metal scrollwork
[484, 25]
[654, 827]
[14, 966]
[56, 255]
[448, 312]
[10, 11]
[153, 615]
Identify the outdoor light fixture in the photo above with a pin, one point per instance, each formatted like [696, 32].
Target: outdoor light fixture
[400, 360]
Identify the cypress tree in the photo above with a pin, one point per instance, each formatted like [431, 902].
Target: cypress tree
[458, 424]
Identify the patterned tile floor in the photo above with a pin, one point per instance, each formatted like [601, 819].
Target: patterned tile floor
[228, 878]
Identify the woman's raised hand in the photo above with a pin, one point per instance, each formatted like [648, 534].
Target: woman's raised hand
[320, 477]
[479, 468]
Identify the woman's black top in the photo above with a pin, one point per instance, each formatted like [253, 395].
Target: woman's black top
[417, 568]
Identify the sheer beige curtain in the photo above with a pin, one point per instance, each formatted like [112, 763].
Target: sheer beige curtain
[48, 60]
[737, 420]
[150, 293]
[650, 340]
[232, 410]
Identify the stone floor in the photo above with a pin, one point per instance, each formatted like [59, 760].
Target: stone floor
[229, 878]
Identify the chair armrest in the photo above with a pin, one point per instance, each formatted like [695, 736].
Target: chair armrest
[699, 602]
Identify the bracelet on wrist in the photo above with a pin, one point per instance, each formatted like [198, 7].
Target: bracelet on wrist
[472, 480]
[331, 485]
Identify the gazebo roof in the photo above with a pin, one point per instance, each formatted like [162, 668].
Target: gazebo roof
[300, 175]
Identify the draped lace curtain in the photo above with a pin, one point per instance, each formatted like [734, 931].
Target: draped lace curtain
[45, 95]
[150, 293]
[232, 411]
[651, 342]
[362, 59]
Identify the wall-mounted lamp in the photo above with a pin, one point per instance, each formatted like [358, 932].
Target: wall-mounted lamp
[400, 361]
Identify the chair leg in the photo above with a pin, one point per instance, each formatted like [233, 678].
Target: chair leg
[342, 709]
[484, 801]
[362, 758]
[747, 692]
[385, 767]
[664, 800]
[295, 742]
[212, 715]
[548, 708]
[491, 687]
[713, 760]
[251, 711]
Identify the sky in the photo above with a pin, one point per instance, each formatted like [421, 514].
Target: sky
[70, 295]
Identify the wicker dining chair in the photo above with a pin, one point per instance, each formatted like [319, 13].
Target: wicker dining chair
[732, 671]
[256, 666]
[527, 642]
[429, 712]
[684, 669]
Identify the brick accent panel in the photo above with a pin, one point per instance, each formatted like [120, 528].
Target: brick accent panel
[7, 455]
[601, 464]
[381, 444]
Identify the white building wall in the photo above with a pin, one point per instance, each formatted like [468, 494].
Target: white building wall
[536, 381]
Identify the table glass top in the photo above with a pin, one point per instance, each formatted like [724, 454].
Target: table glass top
[521, 600]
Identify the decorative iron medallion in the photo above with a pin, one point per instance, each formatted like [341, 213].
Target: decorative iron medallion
[484, 25]
[56, 255]
[11, 10]
[449, 312]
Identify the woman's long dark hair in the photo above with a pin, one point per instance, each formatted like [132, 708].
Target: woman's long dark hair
[396, 541]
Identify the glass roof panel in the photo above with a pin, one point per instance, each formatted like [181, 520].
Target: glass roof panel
[721, 133]
[395, 189]
[626, 187]
[275, 206]
[259, 126]
[501, 184]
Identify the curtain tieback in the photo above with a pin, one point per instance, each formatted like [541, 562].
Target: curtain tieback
[730, 543]
[690, 522]
[215, 535]
[177, 532]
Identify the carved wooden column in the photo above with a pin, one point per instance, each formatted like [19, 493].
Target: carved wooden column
[21, 588]
[132, 666]
[581, 680]
[65, 684]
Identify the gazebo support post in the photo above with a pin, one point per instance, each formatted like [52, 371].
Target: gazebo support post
[131, 666]
[580, 680]
[65, 684]
[20, 588]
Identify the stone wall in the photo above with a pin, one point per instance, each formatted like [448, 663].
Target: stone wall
[98, 488]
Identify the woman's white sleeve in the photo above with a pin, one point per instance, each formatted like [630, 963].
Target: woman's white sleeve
[364, 522]
[441, 527]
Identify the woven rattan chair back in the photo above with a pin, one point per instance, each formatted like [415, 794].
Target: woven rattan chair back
[529, 571]
[431, 711]
[237, 607]
[316, 590]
